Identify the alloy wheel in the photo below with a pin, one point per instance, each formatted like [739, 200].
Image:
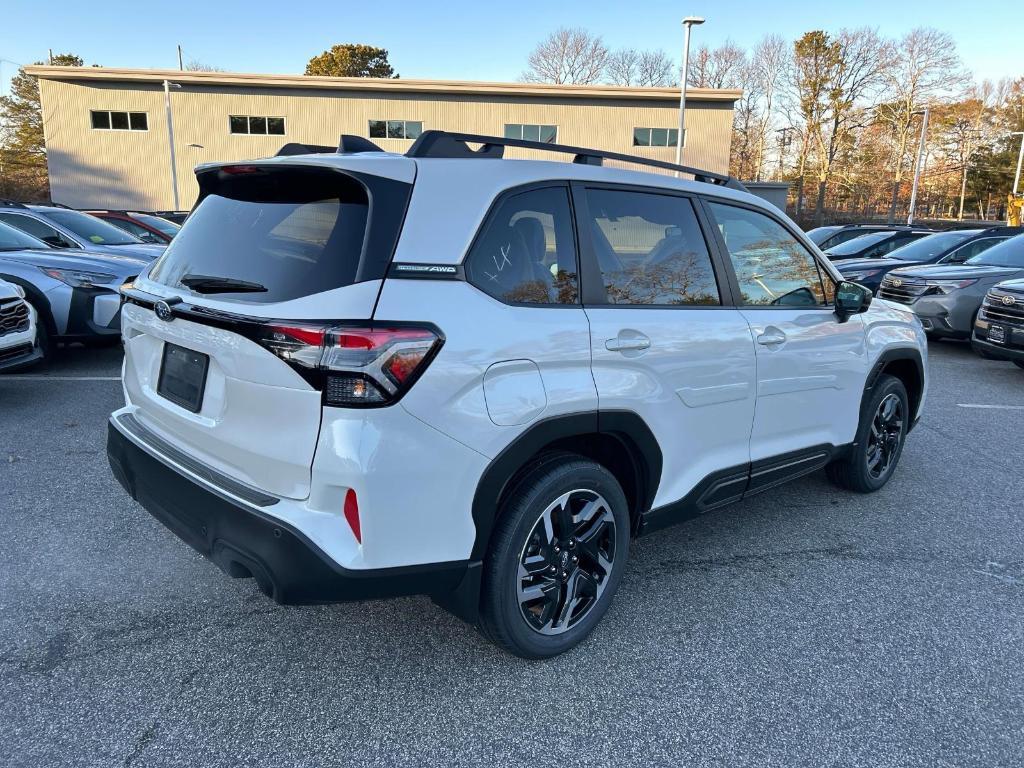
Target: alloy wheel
[566, 562]
[885, 436]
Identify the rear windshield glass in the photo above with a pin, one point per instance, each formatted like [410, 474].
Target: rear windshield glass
[282, 242]
[932, 245]
[92, 229]
[858, 244]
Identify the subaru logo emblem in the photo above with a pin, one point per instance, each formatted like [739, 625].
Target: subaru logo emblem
[1008, 300]
[897, 283]
[163, 311]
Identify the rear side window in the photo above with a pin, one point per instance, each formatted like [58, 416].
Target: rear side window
[269, 236]
[650, 249]
[526, 251]
[771, 265]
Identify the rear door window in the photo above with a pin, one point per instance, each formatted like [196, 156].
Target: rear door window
[526, 251]
[280, 236]
[650, 249]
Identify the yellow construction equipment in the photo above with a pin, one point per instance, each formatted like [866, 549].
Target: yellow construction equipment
[1015, 210]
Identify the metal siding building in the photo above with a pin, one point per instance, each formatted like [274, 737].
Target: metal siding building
[102, 168]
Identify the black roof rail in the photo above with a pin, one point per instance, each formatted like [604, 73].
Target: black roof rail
[347, 144]
[447, 144]
[12, 204]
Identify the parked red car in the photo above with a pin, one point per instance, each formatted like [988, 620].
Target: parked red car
[146, 227]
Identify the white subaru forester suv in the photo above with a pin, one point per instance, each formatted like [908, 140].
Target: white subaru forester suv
[356, 374]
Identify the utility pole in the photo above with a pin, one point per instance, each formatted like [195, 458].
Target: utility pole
[1020, 159]
[181, 66]
[170, 138]
[688, 22]
[920, 163]
[50, 51]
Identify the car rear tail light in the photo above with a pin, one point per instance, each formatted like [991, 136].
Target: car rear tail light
[354, 366]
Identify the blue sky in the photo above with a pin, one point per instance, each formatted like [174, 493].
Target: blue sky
[455, 38]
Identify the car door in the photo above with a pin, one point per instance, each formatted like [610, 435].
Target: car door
[666, 344]
[811, 366]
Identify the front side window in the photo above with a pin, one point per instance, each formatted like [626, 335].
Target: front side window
[650, 249]
[972, 249]
[256, 125]
[1009, 253]
[106, 120]
[526, 252]
[12, 239]
[772, 267]
[545, 133]
[655, 137]
[395, 129]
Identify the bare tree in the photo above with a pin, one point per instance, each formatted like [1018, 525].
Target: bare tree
[195, 65]
[568, 55]
[863, 58]
[925, 67]
[647, 69]
[768, 65]
[717, 68]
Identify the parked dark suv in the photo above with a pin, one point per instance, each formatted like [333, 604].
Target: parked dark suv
[999, 328]
[953, 247]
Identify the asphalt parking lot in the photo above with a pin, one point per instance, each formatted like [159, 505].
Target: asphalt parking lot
[804, 627]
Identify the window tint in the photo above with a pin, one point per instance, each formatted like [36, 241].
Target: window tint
[972, 249]
[771, 265]
[119, 121]
[526, 252]
[650, 249]
[13, 239]
[298, 236]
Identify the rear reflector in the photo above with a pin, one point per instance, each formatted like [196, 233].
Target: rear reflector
[352, 514]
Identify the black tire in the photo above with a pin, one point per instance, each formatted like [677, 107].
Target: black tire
[555, 623]
[1019, 363]
[855, 471]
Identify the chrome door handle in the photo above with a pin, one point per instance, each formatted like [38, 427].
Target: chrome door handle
[625, 345]
[771, 337]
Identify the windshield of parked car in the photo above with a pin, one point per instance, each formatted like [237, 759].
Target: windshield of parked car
[932, 245]
[819, 235]
[169, 228]
[12, 239]
[858, 244]
[1009, 253]
[92, 229]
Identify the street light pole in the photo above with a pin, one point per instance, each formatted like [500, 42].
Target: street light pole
[1020, 158]
[170, 139]
[920, 162]
[688, 22]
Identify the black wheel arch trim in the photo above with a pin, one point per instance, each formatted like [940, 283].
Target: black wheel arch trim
[894, 355]
[623, 425]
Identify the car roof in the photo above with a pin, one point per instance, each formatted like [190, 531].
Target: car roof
[479, 181]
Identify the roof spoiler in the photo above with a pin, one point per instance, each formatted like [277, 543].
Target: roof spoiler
[347, 144]
[456, 145]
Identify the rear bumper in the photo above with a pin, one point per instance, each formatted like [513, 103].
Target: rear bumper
[244, 541]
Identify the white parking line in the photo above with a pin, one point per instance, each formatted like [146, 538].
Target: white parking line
[992, 407]
[60, 378]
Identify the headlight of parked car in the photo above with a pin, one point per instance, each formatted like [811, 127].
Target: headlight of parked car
[76, 278]
[944, 287]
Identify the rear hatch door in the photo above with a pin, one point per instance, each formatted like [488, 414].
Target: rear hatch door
[271, 248]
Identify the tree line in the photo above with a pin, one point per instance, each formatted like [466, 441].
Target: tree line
[838, 115]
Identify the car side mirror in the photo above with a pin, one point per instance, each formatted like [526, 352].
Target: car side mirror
[851, 299]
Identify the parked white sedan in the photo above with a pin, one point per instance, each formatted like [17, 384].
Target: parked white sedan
[18, 341]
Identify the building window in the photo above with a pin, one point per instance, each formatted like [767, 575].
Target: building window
[105, 120]
[395, 129]
[655, 137]
[256, 126]
[546, 133]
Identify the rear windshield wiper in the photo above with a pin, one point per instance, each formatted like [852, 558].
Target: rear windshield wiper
[210, 284]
